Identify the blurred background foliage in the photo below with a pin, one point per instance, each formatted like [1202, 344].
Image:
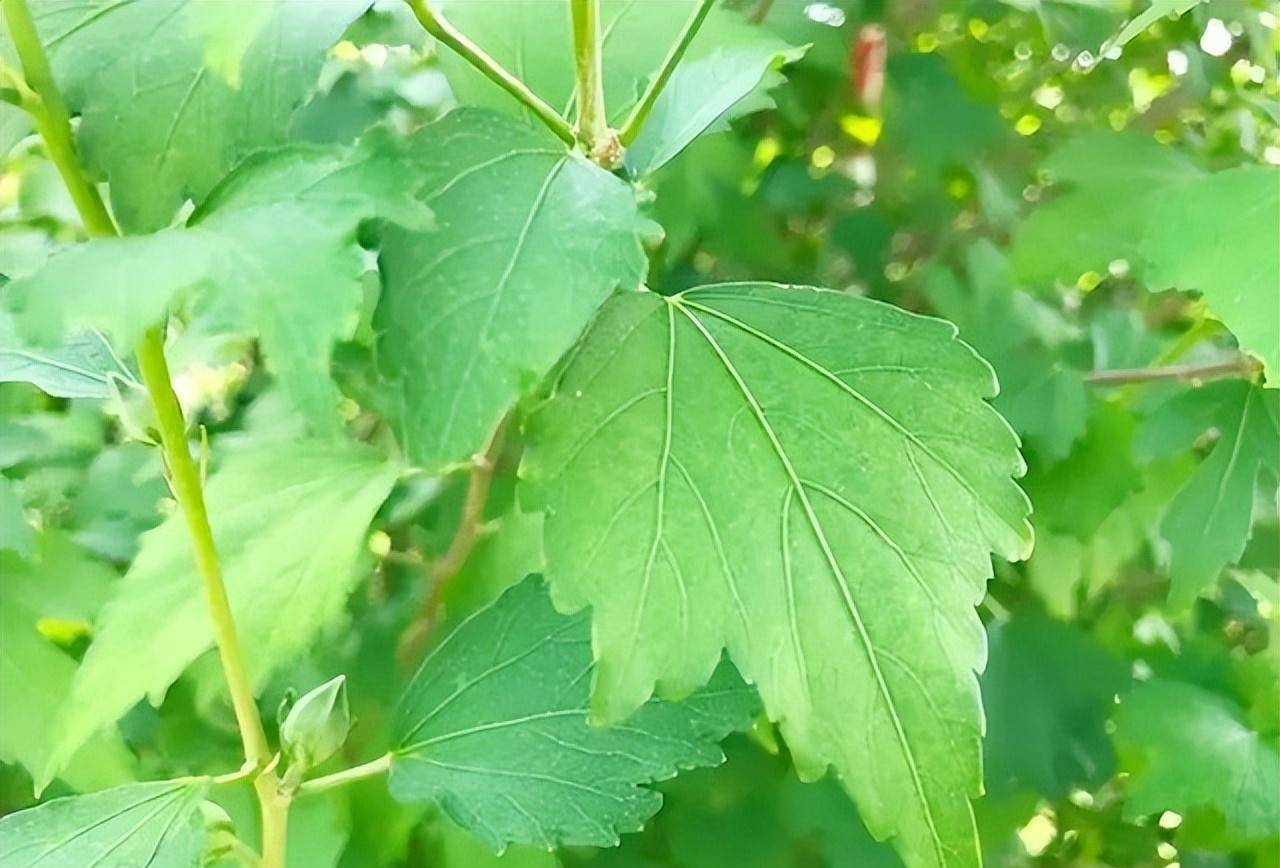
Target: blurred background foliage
[988, 161]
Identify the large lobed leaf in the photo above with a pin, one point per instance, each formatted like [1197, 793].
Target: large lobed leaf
[494, 728]
[814, 481]
[289, 521]
[273, 251]
[156, 825]
[529, 240]
[173, 93]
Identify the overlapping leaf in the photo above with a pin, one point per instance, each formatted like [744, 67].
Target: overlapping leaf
[174, 93]
[494, 728]
[1188, 748]
[814, 481]
[1108, 186]
[158, 825]
[83, 367]
[529, 240]
[289, 521]
[1041, 393]
[273, 251]
[1211, 517]
[728, 69]
[58, 584]
[1221, 236]
[1048, 692]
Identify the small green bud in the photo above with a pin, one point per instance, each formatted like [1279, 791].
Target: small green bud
[316, 726]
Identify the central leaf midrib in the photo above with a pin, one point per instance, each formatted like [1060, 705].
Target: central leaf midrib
[850, 604]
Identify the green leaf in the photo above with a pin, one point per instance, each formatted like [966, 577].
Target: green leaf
[494, 729]
[273, 250]
[1144, 19]
[1065, 570]
[530, 241]
[289, 521]
[173, 93]
[158, 825]
[17, 532]
[1210, 519]
[728, 68]
[1221, 236]
[812, 480]
[1186, 748]
[1110, 185]
[83, 367]
[59, 585]
[1048, 692]
[1024, 339]
[931, 118]
[1076, 23]
[705, 94]
[1077, 495]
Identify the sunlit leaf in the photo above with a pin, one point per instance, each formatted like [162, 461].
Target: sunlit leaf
[814, 481]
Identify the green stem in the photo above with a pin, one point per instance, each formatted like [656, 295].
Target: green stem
[635, 121]
[593, 124]
[52, 121]
[442, 30]
[185, 478]
[54, 125]
[373, 768]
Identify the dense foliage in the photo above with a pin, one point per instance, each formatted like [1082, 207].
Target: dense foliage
[443, 440]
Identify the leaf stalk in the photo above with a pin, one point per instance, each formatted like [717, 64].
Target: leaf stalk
[373, 768]
[441, 30]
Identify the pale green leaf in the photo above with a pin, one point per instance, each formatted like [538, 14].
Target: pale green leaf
[156, 825]
[494, 729]
[1221, 237]
[272, 251]
[705, 94]
[1107, 187]
[728, 67]
[1187, 748]
[812, 480]
[173, 93]
[1210, 519]
[529, 241]
[289, 521]
[82, 367]
[58, 583]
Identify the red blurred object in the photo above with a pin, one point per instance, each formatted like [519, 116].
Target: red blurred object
[868, 58]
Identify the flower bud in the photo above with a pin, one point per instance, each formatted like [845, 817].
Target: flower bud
[316, 726]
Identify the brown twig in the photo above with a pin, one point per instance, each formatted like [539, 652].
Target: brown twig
[1242, 366]
[448, 565]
